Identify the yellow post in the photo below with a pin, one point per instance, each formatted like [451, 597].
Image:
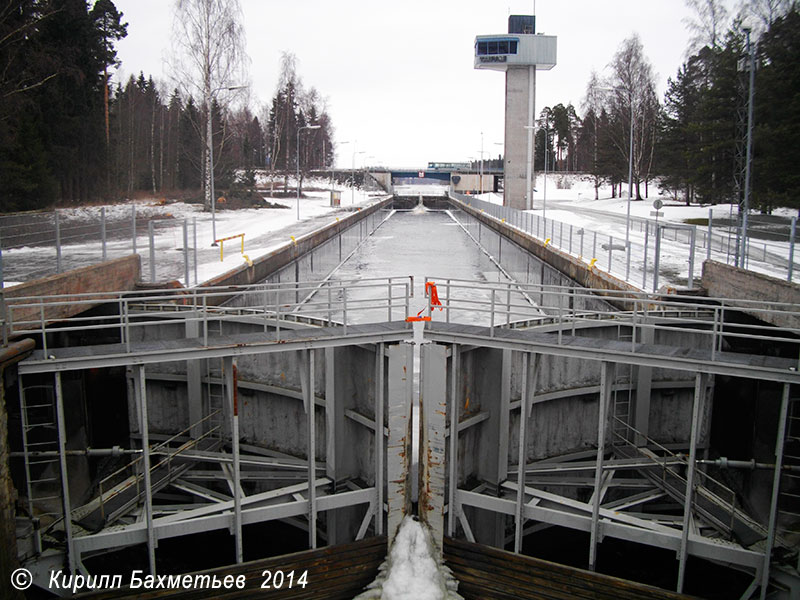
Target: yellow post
[221, 245]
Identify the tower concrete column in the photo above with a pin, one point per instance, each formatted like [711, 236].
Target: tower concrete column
[518, 163]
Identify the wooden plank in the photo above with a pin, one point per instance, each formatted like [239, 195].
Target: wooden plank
[333, 572]
[504, 564]
[521, 582]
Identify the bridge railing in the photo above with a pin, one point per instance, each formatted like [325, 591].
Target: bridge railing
[273, 305]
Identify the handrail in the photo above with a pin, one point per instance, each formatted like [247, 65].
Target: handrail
[707, 480]
[35, 315]
[118, 488]
[494, 304]
[340, 303]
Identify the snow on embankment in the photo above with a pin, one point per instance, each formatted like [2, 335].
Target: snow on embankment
[411, 572]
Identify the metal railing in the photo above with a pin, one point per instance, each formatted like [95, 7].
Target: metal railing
[665, 460]
[37, 244]
[331, 303]
[636, 262]
[510, 304]
[130, 475]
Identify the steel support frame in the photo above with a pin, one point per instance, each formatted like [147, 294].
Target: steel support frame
[599, 521]
[140, 393]
[242, 510]
[165, 528]
[453, 509]
[658, 537]
[72, 560]
[698, 405]
[232, 408]
[529, 372]
[604, 403]
[380, 439]
[776, 484]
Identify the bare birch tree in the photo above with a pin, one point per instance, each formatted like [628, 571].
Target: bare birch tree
[708, 24]
[634, 98]
[208, 60]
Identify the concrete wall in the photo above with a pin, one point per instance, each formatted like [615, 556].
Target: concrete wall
[120, 274]
[516, 136]
[560, 266]
[471, 183]
[277, 260]
[525, 267]
[726, 281]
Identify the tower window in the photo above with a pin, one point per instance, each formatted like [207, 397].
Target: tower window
[494, 47]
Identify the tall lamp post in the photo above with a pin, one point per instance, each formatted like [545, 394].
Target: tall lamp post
[630, 183]
[531, 157]
[353, 175]
[481, 175]
[210, 156]
[630, 193]
[297, 149]
[749, 151]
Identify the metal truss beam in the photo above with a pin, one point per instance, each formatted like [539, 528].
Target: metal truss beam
[659, 536]
[664, 357]
[165, 528]
[115, 356]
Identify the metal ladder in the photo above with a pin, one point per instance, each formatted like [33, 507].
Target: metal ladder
[789, 493]
[621, 412]
[40, 445]
[215, 386]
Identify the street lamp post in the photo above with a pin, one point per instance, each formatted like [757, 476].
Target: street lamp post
[749, 151]
[630, 193]
[630, 183]
[481, 175]
[546, 144]
[297, 149]
[353, 175]
[210, 156]
[531, 157]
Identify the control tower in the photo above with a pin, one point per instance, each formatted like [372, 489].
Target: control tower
[520, 53]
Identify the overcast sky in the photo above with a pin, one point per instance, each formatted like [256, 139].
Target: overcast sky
[399, 77]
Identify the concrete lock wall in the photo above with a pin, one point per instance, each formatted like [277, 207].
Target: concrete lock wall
[314, 265]
[112, 276]
[726, 281]
[527, 268]
[559, 266]
[266, 267]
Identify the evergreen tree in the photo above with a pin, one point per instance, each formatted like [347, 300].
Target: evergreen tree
[777, 155]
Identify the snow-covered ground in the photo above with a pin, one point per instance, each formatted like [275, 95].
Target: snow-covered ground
[264, 229]
[576, 223]
[570, 200]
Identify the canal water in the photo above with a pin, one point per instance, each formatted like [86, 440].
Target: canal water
[426, 243]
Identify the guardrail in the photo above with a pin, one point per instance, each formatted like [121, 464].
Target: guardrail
[630, 262]
[511, 304]
[343, 303]
[332, 303]
[221, 242]
[65, 240]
